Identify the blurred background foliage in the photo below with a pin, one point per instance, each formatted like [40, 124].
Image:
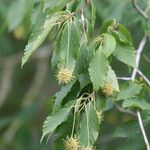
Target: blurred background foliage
[26, 94]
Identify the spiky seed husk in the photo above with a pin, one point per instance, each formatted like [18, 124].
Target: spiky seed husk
[71, 144]
[64, 76]
[108, 88]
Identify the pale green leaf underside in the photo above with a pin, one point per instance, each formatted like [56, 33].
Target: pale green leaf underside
[55, 119]
[129, 91]
[89, 126]
[69, 45]
[109, 44]
[98, 69]
[125, 54]
[111, 76]
[39, 36]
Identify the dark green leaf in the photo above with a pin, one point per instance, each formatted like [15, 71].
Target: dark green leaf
[62, 132]
[84, 79]
[127, 130]
[109, 104]
[89, 126]
[55, 4]
[61, 95]
[82, 61]
[100, 101]
[129, 91]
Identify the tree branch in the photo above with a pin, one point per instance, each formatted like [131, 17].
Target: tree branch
[124, 78]
[139, 10]
[144, 77]
[138, 56]
[133, 76]
[143, 130]
[125, 111]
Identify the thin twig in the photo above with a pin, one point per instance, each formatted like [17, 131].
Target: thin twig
[139, 10]
[146, 58]
[138, 55]
[125, 111]
[143, 130]
[135, 71]
[133, 76]
[124, 78]
[144, 77]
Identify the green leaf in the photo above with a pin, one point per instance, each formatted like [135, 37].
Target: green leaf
[125, 54]
[98, 69]
[111, 76]
[136, 103]
[100, 101]
[16, 13]
[84, 79]
[69, 45]
[109, 44]
[107, 25]
[55, 60]
[73, 93]
[63, 131]
[89, 126]
[93, 13]
[82, 60]
[109, 104]
[61, 95]
[129, 91]
[39, 36]
[37, 16]
[56, 118]
[127, 130]
[55, 4]
[123, 35]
